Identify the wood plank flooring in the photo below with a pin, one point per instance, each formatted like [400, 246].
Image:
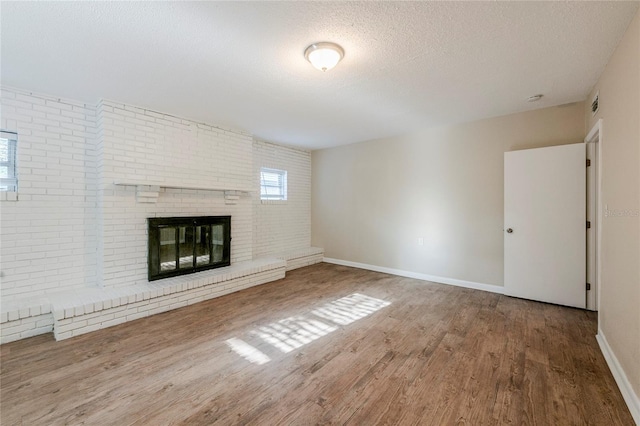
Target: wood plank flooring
[326, 345]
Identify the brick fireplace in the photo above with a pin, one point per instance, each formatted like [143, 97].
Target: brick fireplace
[100, 172]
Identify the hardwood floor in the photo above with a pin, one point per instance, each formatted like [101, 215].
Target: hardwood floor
[327, 345]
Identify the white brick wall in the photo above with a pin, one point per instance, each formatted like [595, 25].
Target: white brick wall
[48, 237]
[281, 226]
[142, 145]
[26, 327]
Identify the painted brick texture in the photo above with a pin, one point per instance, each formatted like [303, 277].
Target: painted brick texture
[282, 226]
[142, 145]
[72, 228]
[48, 237]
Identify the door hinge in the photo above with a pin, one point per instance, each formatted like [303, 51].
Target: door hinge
[588, 224]
[588, 162]
[588, 286]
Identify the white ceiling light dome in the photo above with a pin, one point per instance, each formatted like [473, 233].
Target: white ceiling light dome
[324, 55]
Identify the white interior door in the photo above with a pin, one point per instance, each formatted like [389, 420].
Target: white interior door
[545, 224]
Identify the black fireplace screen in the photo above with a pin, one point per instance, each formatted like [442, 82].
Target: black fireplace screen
[183, 245]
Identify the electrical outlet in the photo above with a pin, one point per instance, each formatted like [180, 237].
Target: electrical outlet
[420, 241]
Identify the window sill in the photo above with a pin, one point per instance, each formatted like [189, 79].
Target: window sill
[8, 196]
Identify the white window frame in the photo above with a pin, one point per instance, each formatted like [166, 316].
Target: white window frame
[281, 186]
[10, 183]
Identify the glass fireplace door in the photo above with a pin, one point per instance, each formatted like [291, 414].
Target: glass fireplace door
[189, 244]
[203, 245]
[167, 249]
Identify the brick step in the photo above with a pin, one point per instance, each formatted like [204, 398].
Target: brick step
[72, 313]
[301, 257]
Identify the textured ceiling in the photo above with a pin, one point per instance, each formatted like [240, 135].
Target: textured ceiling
[408, 65]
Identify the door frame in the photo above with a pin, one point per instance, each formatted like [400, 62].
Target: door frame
[593, 142]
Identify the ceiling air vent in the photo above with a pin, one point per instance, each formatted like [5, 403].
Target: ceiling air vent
[595, 104]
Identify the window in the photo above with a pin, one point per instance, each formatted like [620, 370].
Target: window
[273, 184]
[8, 178]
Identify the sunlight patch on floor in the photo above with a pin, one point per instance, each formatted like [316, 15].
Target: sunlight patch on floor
[350, 308]
[247, 351]
[292, 333]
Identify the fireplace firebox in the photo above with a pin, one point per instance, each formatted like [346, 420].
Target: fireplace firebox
[184, 245]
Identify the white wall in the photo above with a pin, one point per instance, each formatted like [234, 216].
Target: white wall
[48, 237]
[619, 314]
[371, 201]
[280, 226]
[73, 228]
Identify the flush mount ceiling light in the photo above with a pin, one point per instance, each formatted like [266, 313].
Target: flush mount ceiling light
[324, 55]
[534, 98]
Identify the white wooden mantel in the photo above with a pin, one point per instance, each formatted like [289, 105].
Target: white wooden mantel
[148, 192]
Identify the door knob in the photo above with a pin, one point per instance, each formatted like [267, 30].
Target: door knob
[509, 231]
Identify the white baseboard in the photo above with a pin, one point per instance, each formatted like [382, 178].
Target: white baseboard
[630, 397]
[419, 276]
